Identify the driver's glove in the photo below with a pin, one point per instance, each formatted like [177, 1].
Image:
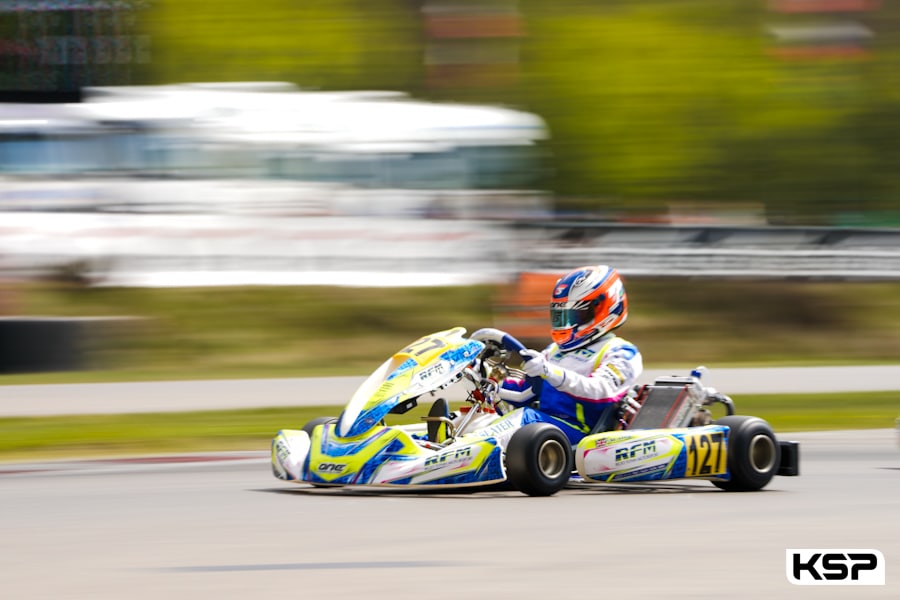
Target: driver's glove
[536, 365]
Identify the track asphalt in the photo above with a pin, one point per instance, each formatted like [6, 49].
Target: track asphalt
[226, 529]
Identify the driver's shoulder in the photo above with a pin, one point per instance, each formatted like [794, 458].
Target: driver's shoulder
[612, 347]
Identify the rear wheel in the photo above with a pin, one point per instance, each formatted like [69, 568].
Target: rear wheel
[539, 459]
[753, 454]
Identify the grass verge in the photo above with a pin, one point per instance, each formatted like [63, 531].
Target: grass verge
[226, 333]
[39, 438]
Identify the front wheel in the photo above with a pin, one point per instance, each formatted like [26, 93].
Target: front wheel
[308, 428]
[539, 459]
[753, 454]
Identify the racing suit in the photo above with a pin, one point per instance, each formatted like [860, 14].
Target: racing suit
[578, 385]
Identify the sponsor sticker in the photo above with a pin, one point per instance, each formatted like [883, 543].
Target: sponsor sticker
[706, 455]
[451, 457]
[831, 566]
[432, 371]
[620, 454]
[330, 467]
[281, 450]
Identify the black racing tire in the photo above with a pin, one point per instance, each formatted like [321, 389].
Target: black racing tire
[308, 428]
[753, 454]
[539, 459]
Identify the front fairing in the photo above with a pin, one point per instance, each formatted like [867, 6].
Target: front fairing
[360, 450]
[390, 456]
[429, 363]
[393, 456]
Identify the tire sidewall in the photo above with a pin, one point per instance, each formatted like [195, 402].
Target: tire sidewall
[744, 476]
[523, 456]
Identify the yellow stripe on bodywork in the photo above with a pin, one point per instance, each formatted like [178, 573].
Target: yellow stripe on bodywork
[330, 468]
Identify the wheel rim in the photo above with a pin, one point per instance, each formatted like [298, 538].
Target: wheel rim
[762, 453]
[552, 459]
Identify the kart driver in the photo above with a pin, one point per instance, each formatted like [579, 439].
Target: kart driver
[587, 367]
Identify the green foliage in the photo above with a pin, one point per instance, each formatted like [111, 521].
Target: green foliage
[648, 102]
[817, 412]
[309, 331]
[327, 44]
[103, 435]
[640, 98]
[741, 322]
[35, 438]
[653, 102]
[251, 332]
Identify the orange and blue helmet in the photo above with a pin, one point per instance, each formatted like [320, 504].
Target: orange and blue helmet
[586, 303]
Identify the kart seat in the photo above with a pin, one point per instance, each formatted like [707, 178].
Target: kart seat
[438, 415]
[608, 420]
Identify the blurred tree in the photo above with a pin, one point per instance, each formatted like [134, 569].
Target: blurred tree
[648, 102]
[317, 44]
[658, 101]
[642, 98]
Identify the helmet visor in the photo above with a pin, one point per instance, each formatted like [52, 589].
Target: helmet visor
[564, 316]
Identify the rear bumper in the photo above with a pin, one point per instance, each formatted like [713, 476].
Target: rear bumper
[790, 459]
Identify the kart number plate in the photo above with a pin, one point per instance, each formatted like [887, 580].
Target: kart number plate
[705, 454]
[425, 349]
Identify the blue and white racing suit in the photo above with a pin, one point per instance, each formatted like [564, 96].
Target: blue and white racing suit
[593, 376]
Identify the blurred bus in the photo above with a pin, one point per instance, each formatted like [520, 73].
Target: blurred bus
[270, 148]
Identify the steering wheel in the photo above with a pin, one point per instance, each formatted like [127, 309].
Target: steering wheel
[502, 349]
[490, 336]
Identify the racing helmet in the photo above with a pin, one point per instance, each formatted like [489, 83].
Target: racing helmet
[586, 303]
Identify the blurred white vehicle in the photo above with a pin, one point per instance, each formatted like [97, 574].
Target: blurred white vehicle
[219, 183]
[251, 148]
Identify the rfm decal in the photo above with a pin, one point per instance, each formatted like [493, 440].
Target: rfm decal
[452, 456]
[638, 450]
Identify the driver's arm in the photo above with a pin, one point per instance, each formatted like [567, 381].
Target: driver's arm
[616, 373]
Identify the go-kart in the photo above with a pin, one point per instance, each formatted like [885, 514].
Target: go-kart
[658, 431]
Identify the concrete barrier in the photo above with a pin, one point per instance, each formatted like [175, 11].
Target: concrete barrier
[45, 344]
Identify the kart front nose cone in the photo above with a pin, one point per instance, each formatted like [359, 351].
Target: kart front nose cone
[289, 451]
